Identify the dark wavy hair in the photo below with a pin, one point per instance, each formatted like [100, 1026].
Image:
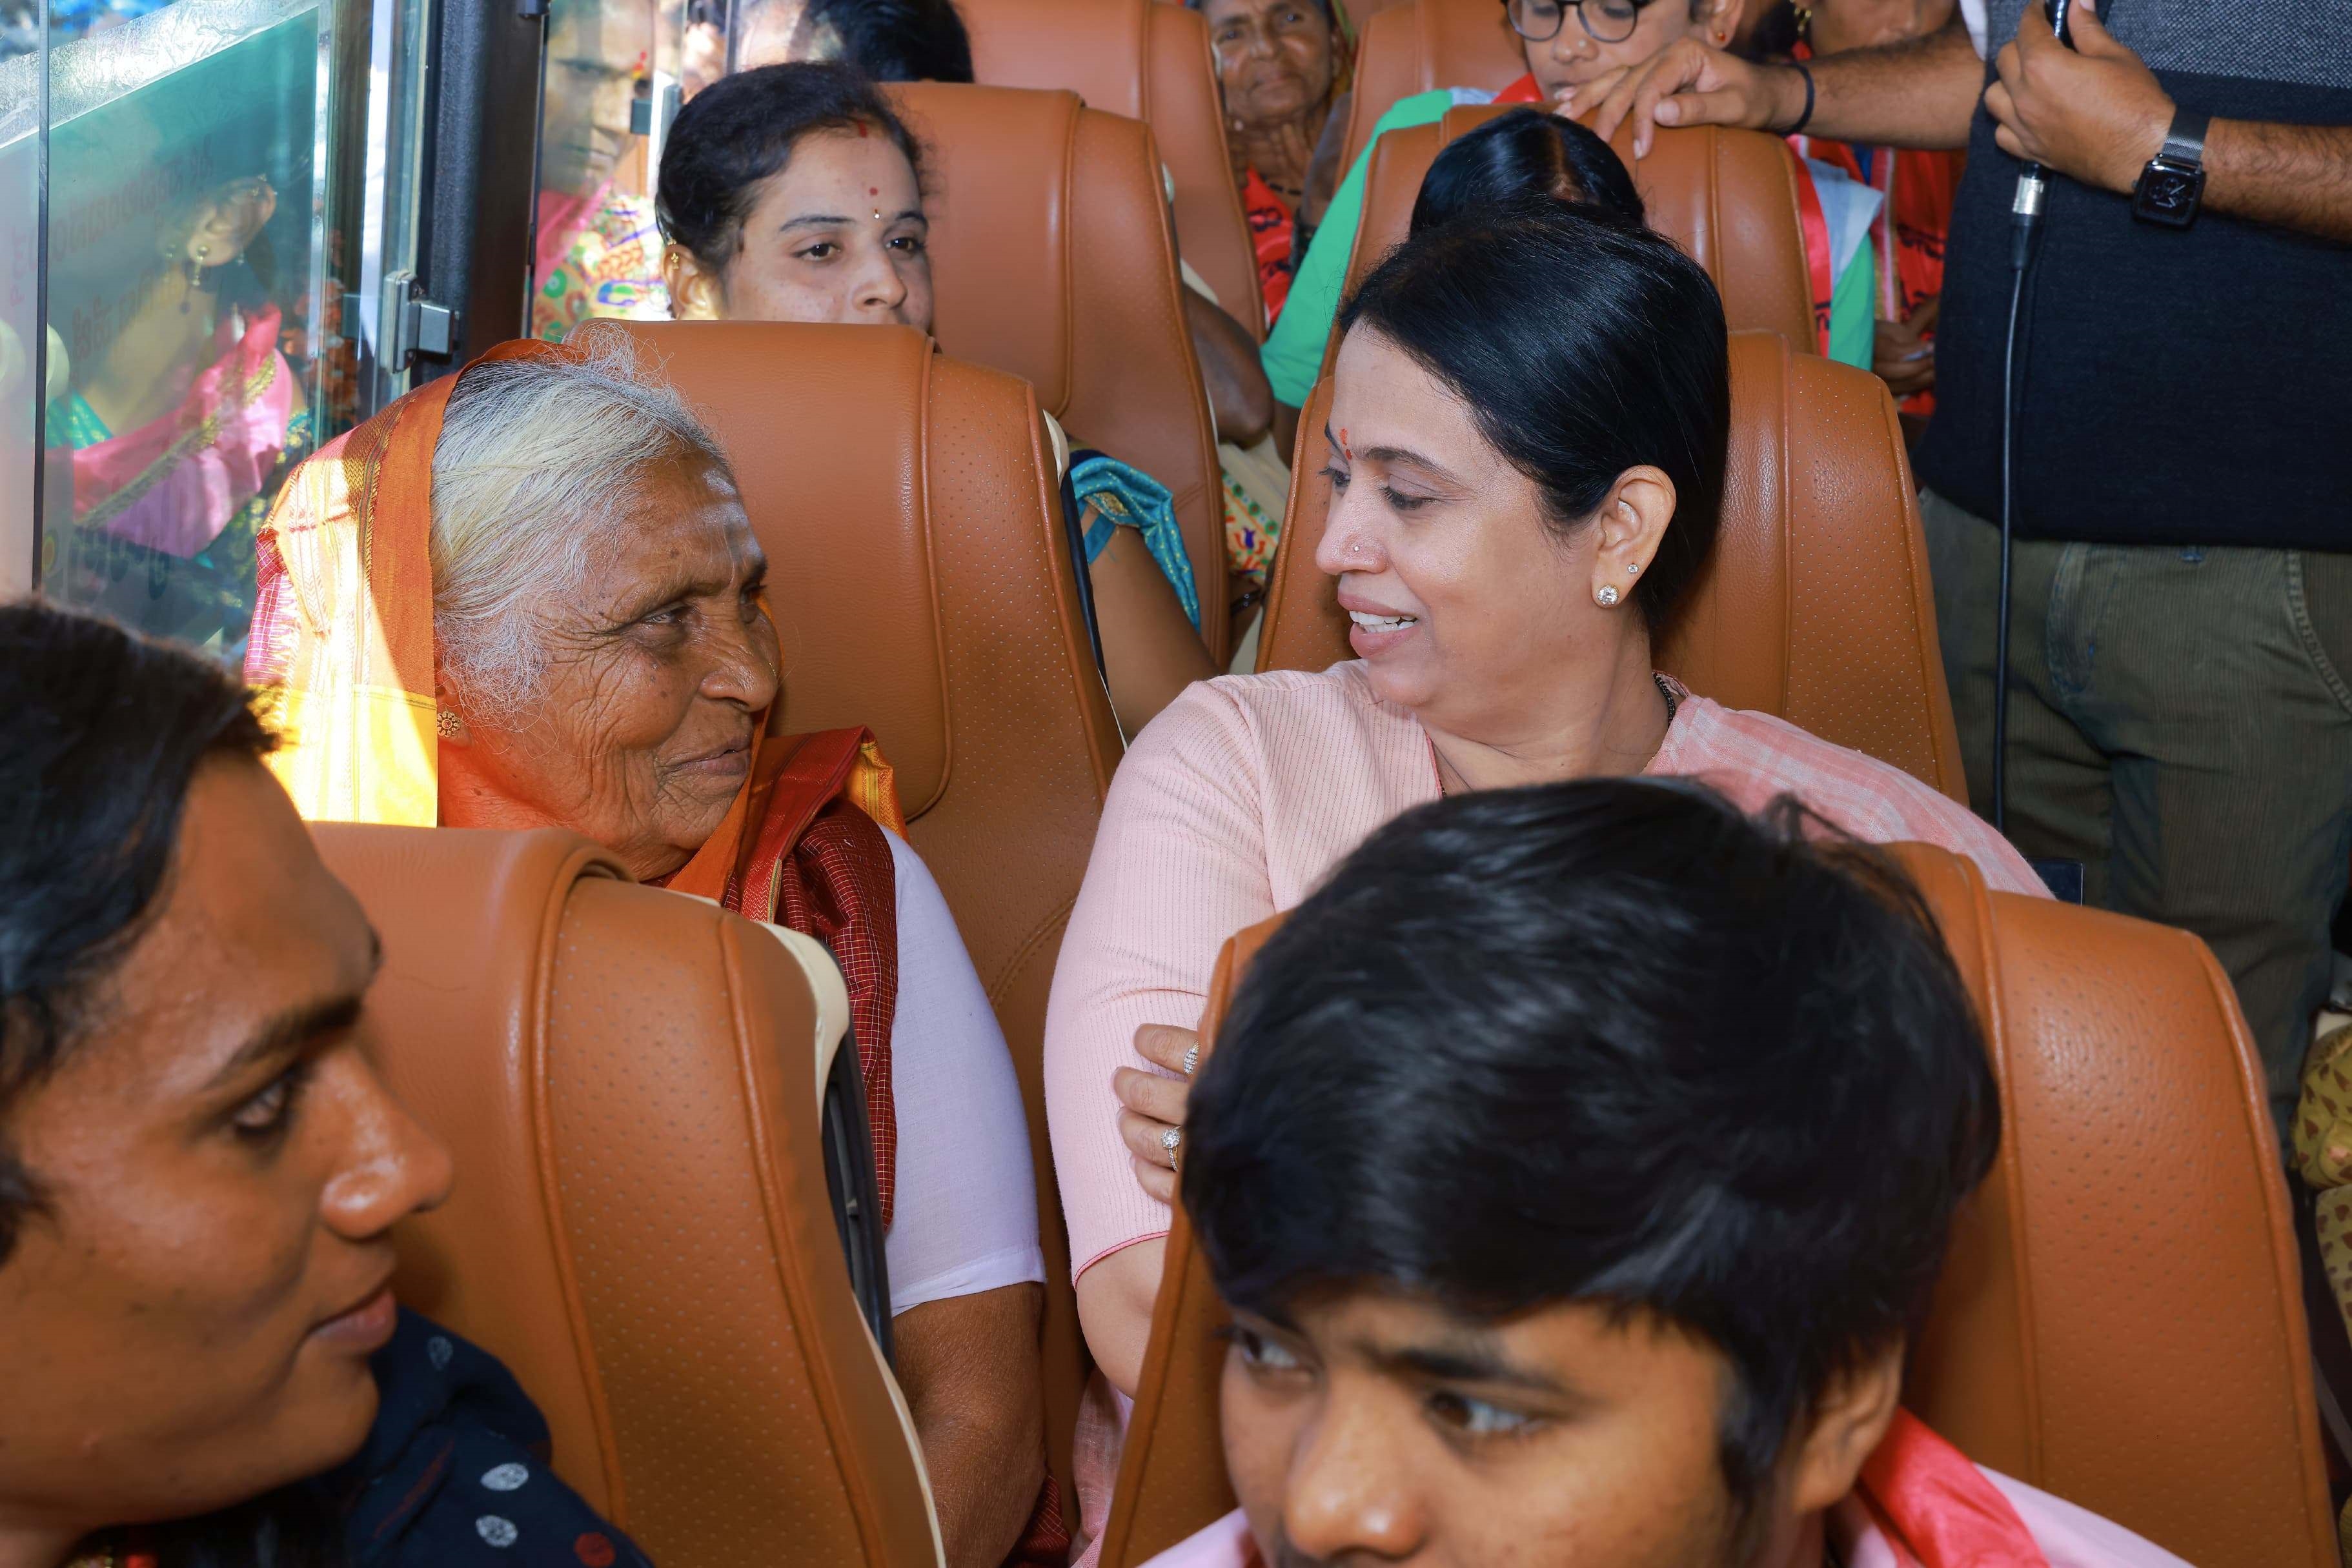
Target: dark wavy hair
[1584, 347]
[1526, 154]
[740, 131]
[1606, 1041]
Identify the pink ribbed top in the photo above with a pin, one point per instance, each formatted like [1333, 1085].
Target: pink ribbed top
[1233, 803]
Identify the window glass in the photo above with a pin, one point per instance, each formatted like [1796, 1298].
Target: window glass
[22, 355]
[184, 288]
[597, 250]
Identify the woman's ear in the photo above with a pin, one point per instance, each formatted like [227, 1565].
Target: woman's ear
[695, 294]
[1719, 20]
[1632, 524]
[1848, 1420]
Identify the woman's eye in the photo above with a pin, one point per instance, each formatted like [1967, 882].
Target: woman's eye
[1337, 476]
[911, 245]
[1261, 1353]
[1476, 1418]
[1404, 503]
[266, 1115]
[822, 250]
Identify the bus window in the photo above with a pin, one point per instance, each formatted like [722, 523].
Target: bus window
[598, 251]
[184, 289]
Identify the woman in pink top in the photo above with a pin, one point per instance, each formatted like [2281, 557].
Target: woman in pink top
[1527, 452]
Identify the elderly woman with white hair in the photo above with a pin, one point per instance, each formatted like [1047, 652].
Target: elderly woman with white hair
[529, 596]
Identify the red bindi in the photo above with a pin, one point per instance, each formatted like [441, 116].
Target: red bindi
[861, 128]
[1346, 450]
[873, 190]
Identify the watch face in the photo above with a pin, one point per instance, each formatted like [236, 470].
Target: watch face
[2167, 194]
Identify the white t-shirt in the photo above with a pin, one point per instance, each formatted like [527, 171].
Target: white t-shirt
[965, 1217]
[1972, 15]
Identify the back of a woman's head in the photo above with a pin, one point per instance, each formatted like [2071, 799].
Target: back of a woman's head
[1584, 348]
[898, 40]
[740, 131]
[1525, 155]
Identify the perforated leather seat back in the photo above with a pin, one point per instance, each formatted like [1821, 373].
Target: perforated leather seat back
[2121, 1321]
[921, 580]
[1817, 606]
[1728, 198]
[1152, 62]
[640, 1228]
[1052, 258]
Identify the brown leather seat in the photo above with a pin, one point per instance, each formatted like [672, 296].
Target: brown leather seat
[920, 579]
[1150, 62]
[1052, 258]
[1420, 46]
[640, 1228]
[1728, 198]
[2120, 1322]
[1817, 607]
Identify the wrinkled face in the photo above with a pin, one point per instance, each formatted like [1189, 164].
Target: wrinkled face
[1374, 1428]
[1843, 24]
[838, 234]
[189, 1324]
[1573, 55]
[655, 671]
[1275, 58]
[1465, 607]
[594, 47]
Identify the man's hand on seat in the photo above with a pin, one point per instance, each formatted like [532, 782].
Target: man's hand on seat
[2094, 113]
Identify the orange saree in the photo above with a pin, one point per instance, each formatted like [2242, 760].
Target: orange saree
[342, 651]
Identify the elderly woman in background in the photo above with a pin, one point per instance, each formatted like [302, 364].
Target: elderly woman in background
[1526, 450]
[1282, 70]
[561, 546]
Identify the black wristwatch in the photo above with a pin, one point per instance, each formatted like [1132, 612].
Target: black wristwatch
[2171, 187]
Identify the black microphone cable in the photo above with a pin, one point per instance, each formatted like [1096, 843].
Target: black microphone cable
[2025, 234]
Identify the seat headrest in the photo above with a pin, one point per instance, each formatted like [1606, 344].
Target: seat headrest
[2120, 1320]
[640, 1227]
[1054, 258]
[1147, 61]
[1423, 44]
[1817, 607]
[1727, 197]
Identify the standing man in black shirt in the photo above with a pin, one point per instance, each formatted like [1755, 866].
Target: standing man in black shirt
[2180, 665]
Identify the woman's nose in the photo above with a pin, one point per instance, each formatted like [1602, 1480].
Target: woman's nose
[1573, 39]
[744, 670]
[1351, 1490]
[880, 291]
[393, 1168]
[1346, 546]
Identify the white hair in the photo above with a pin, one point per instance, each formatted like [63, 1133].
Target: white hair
[539, 459]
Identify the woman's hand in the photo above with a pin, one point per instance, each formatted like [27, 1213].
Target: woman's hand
[1154, 1105]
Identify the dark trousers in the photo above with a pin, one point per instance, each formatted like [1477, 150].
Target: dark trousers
[2180, 722]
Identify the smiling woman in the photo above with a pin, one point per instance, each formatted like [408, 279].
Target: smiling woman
[553, 536]
[1527, 449]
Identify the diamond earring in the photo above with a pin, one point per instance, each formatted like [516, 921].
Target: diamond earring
[1608, 594]
[1632, 569]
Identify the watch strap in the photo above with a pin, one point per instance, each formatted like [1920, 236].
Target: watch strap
[2185, 142]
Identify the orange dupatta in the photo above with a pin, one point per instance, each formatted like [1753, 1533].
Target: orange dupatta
[342, 652]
